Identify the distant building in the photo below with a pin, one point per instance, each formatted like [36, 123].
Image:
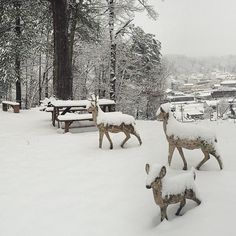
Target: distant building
[223, 93]
[203, 96]
[228, 83]
[181, 98]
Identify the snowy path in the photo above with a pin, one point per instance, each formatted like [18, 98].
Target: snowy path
[54, 184]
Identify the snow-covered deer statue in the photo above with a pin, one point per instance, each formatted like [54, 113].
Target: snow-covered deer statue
[113, 122]
[170, 190]
[180, 135]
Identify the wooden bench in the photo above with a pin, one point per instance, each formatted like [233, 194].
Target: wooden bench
[69, 118]
[14, 105]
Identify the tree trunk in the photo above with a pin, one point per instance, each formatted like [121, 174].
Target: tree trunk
[26, 85]
[45, 74]
[40, 77]
[73, 23]
[62, 64]
[17, 5]
[111, 7]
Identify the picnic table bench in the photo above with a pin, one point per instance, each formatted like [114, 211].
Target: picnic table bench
[69, 118]
[14, 105]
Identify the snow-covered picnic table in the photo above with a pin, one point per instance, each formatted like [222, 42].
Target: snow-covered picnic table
[62, 107]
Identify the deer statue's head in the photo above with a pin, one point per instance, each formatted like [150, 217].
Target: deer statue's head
[155, 174]
[93, 104]
[163, 112]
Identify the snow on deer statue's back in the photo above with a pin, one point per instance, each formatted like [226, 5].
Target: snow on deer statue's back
[113, 122]
[187, 136]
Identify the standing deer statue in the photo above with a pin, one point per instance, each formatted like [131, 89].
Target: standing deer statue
[187, 136]
[170, 190]
[113, 122]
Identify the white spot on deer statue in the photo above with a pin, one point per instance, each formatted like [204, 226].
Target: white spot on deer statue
[180, 135]
[113, 122]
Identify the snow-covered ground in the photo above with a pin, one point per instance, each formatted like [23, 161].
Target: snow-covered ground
[55, 184]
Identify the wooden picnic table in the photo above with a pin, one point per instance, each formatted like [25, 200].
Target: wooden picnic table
[61, 107]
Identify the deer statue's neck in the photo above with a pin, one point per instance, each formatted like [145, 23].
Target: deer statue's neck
[168, 120]
[165, 122]
[157, 192]
[94, 115]
[97, 111]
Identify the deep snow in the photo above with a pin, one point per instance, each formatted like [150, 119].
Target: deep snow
[55, 184]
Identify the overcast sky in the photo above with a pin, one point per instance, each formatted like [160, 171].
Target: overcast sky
[193, 27]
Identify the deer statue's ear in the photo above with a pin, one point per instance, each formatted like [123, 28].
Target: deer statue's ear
[162, 172]
[162, 109]
[147, 168]
[92, 97]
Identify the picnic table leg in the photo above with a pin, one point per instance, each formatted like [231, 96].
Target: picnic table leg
[67, 125]
[54, 115]
[4, 106]
[111, 107]
[16, 108]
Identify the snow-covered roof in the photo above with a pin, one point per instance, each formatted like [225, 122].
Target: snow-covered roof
[194, 112]
[202, 94]
[188, 84]
[228, 82]
[168, 90]
[212, 102]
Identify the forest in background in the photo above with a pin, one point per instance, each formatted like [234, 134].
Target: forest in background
[107, 53]
[181, 64]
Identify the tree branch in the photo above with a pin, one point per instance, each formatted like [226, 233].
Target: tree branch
[123, 27]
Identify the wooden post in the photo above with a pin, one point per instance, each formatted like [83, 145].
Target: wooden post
[4, 106]
[16, 108]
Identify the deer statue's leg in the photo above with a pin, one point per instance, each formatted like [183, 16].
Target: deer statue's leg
[138, 137]
[196, 200]
[206, 158]
[217, 156]
[126, 139]
[182, 156]
[163, 213]
[101, 134]
[182, 204]
[171, 151]
[109, 139]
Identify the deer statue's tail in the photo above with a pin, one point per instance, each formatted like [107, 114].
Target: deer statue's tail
[216, 154]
